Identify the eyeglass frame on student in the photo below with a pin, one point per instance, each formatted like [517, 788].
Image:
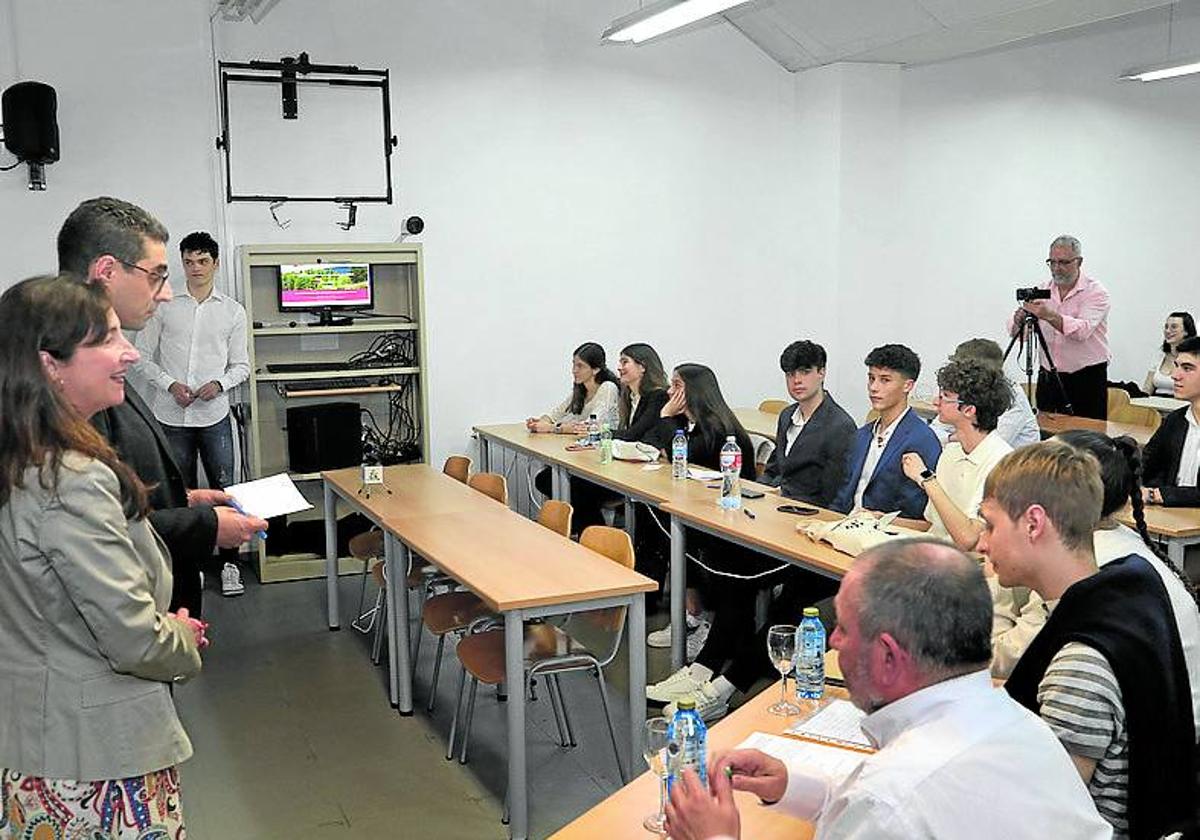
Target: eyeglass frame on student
[948, 400]
[1062, 263]
[162, 278]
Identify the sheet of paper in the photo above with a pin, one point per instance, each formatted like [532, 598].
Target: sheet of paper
[274, 495]
[652, 467]
[834, 762]
[839, 721]
[701, 474]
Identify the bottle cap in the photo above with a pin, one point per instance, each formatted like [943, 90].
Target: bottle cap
[812, 612]
[686, 704]
[732, 438]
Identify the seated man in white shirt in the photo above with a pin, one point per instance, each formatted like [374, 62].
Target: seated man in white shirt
[1017, 425]
[956, 757]
[971, 397]
[194, 352]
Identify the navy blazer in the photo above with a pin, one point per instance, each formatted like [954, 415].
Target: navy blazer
[889, 488]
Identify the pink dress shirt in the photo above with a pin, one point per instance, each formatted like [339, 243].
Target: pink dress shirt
[1084, 337]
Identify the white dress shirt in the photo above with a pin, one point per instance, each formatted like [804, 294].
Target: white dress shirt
[794, 429]
[879, 442]
[193, 342]
[958, 759]
[1189, 459]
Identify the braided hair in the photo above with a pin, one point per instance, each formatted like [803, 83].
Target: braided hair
[1121, 471]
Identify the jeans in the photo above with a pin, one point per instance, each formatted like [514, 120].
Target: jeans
[214, 444]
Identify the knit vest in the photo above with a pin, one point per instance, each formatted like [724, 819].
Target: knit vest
[1123, 612]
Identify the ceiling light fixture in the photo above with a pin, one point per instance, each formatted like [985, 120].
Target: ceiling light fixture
[1158, 72]
[662, 17]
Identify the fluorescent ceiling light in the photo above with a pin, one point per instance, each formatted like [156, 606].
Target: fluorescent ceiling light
[1179, 67]
[665, 16]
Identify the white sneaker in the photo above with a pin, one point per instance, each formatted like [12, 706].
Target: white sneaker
[662, 638]
[683, 683]
[231, 581]
[709, 703]
[696, 638]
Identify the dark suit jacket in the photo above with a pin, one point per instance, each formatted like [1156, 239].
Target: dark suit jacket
[190, 533]
[812, 470]
[1161, 457]
[646, 424]
[889, 488]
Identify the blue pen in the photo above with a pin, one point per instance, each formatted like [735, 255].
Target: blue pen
[233, 503]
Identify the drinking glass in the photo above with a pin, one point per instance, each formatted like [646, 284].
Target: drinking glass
[655, 752]
[781, 647]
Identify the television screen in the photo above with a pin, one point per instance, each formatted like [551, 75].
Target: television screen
[315, 286]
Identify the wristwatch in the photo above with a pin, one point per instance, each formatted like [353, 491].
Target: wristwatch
[926, 475]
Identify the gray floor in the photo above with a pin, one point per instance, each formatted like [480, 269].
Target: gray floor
[294, 737]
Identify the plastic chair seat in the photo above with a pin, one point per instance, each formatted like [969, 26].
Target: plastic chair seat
[452, 611]
[482, 654]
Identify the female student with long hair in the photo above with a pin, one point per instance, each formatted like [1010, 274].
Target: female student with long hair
[88, 650]
[593, 391]
[643, 394]
[696, 405]
[1179, 326]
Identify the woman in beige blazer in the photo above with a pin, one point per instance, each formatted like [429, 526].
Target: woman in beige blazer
[89, 738]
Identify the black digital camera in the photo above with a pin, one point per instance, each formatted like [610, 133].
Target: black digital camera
[1032, 293]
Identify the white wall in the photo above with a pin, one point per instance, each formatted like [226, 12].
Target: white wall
[575, 191]
[572, 191]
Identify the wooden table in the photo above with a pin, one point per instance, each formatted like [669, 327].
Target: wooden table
[518, 568]
[761, 423]
[621, 815]
[1163, 405]
[689, 504]
[1051, 424]
[1177, 527]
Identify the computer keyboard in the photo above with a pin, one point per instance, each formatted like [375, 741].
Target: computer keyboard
[326, 367]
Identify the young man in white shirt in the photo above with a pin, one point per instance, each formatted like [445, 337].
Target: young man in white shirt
[955, 755]
[194, 352]
[971, 397]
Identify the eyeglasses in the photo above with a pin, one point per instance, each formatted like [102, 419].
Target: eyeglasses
[159, 279]
[1062, 263]
[946, 400]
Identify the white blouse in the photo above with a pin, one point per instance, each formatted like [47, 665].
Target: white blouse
[603, 404]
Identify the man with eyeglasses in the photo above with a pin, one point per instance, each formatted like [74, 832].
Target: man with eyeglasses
[194, 352]
[1074, 322]
[122, 247]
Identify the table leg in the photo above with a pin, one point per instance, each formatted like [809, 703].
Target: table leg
[556, 479]
[678, 591]
[389, 590]
[1176, 552]
[514, 677]
[564, 484]
[637, 680]
[485, 454]
[630, 524]
[398, 627]
[331, 558]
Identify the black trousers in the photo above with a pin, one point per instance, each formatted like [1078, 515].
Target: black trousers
[1086, 388]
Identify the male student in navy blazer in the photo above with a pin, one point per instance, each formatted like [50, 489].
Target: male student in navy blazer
[874, 478]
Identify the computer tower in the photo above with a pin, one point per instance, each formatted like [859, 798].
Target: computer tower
[324, 437]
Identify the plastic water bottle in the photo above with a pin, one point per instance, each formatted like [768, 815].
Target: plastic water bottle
[687, 743]
[593, 431]
[679, 452]
[606, 445]
[731, 471]
[810, 656]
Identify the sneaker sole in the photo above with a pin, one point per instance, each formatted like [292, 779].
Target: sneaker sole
[229, 593]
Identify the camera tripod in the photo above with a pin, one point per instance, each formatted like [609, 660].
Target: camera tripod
[1029, 330]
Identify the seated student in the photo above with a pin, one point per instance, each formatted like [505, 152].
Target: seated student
[1018, 425]
[1107, 672]
[593, 391]
[873, 478]
[696, 405]
[957, 758]
[1179, 326]
[971, 397]
[643, 394]
[814, 432]
[1172, 456]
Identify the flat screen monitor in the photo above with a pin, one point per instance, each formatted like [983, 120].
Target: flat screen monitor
[318, 287]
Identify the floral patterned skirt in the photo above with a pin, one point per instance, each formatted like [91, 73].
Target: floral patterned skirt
[141, 808]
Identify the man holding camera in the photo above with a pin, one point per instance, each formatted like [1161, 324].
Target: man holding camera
[1071, 310]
